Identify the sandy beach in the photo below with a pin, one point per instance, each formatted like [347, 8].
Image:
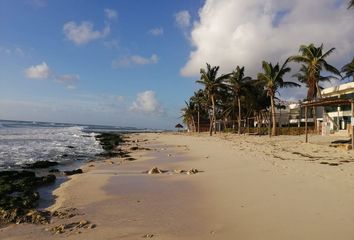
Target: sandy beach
[249, 187]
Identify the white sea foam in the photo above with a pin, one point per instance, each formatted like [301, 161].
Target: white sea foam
[19, 145]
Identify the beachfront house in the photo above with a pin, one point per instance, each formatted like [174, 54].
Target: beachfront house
[339, 116]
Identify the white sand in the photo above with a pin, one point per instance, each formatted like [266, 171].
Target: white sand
[251, 188]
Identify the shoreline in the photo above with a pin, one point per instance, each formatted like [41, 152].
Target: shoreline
[250, 188]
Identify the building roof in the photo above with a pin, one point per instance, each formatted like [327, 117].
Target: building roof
[337, 90]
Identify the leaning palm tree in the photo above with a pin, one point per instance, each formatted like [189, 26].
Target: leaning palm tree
[238, 84]
[314, 60]
[348, 70]
[272, 78]
[212, 83]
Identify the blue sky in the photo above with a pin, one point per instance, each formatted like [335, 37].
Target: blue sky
[96, 77]
[134, 63]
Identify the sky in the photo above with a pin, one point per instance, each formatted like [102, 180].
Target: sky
[134, 63]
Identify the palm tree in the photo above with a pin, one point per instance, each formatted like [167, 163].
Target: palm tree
[188, 113]
[211, 83]
[238, 84]
[200, 100]
[314, 61]
[303, 76]
[272, 78]
[348, 69]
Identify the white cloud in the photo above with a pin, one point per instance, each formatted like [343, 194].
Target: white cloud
[84, 32]
[156, 31]
[238, 32]
[134, 60]
[146, 102]
[40, 71]
[110, 13]
[183, 19]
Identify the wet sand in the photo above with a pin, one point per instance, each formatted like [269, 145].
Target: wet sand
[250, 188]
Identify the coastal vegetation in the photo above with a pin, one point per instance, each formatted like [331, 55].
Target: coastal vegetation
[236, 97]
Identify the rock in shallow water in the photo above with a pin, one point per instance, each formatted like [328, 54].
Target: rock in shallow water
[76, 171]
[41, 164]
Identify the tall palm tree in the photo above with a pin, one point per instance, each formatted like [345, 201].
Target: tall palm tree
[272, 78]
[212, 83]
[238, 84]
[314, 60]
[348, 69]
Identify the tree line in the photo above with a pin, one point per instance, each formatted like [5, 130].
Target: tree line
[231, 95]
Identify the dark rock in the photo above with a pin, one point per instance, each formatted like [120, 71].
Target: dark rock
[130, 159]
[134, 148]
[48, 179]
[41, 164]
[76, 171]
[54, 170]
[70, 146]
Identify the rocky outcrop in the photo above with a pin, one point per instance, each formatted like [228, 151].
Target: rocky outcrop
[18, 197]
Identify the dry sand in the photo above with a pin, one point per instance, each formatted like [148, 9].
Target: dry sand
[250, 188]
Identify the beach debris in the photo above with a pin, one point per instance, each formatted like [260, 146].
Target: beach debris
[155, 170]
[76, 171]
[148, 235]
[66, 213]
[179, 171]
[54, 170]
[41, 164]
[333, 164]
[193, 171]
[70, 227]
[130, 159]
[70, 146]
[91, 165]
[324, 162]
[169, 155]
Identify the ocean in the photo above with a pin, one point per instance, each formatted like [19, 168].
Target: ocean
[23, 142]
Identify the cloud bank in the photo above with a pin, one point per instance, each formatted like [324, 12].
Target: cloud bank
[146, 102]
[238, 32]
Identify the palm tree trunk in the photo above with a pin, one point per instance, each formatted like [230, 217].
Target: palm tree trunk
[273, 116]
[239, 115]
[214, 117]
[198, 121]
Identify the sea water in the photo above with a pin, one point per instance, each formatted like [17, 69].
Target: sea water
[23, 142]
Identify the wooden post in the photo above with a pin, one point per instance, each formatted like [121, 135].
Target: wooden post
[306, 137]
[198, 121]
[352, 124]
